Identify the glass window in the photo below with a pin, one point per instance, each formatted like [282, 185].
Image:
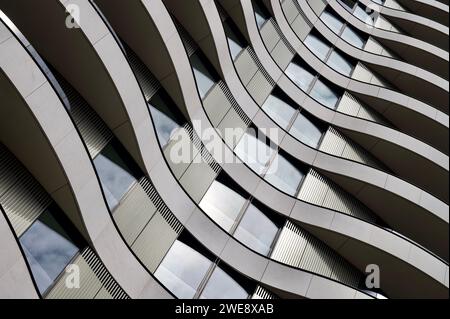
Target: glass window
[182, 270]
[306, 131]
[222, 286]
[279, 110]
[300, 75]
[117, 172]
[254, 152]
[165, 115]
[284, 175]
[317, 46]
[339, 63]
[222, 204]
[364, 14]
[261, 14]
[332, 21]
[348, 4]
[235, 40]
[324, 94]
[204, 76]
[352, 37]
[48, 249]
[256, 230]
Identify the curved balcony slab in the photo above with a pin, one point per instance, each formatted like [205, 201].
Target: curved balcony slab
[66, 171]
[413, 50]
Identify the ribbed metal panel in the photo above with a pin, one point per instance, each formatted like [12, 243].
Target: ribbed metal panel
[95, 133]
[159, 233]
[260, 66]
[364, 74]
[234, 103]
[319, 190]
[188, 42]
[263, 293]
[133, 213]
[298, 248]
[23, 198]
[374, 46]
[340, 145]
[95, 281]
[149, 84]
[352, 106]
[283, 38]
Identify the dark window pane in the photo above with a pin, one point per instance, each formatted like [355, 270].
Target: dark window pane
[306, 131]
[48, 249]
[339, 63]
[284, 175]
[222, 204]
[318, 46]
[117, 172]
[364, 14]
[222, 286]
[279, 110]
[204, 75]
[348, 4]
[254, 152]
[166, 116]
[235, 39]
[324, 94]
[261, 13]
[352, 37]
[182, 270]
[256, 230]
[300, 74]
[332, 21]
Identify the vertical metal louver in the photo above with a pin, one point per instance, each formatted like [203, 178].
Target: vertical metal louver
[22, 197]
[95, 281]
[95, 133]
[263, 293]
[319, 190]
[340, 145]
[298, 248]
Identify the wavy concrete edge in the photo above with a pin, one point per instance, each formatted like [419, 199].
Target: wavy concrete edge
[242, 259]
[15, 278]
[349, 83]
[247, 179]
[78, 169]
[407, 40]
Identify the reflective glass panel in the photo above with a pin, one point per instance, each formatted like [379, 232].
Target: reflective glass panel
[299, 75]
[222, 286]
[204, 77]
[280, 111]
[284, 175]
[182, 270]
[317, 46]
[353, 38]
[324, 94]
[222, 204]
[235, 42]
[165, 119]
[332, 22]
[339, 63]
[306, 131]
[116, 173]
[254, 152]
[256, 230]
[48, 249]
[364, 14]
